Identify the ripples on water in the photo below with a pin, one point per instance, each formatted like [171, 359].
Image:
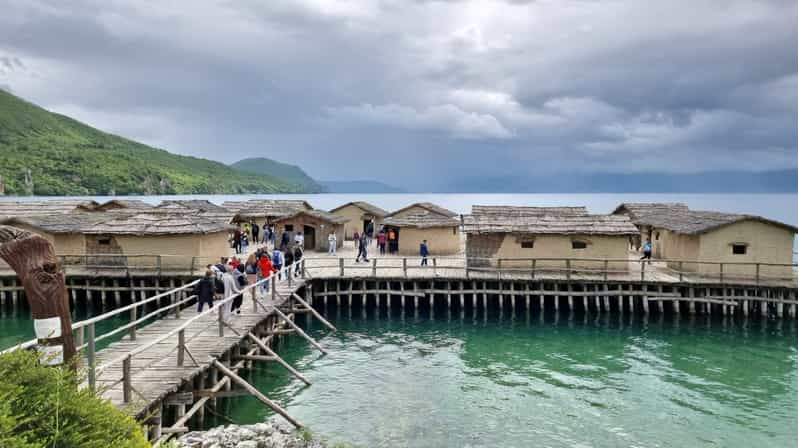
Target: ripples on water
[555, 382]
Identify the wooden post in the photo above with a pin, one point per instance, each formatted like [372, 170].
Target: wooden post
[221, 321]
[757, 274]
[90, 358]
[299, 330]
[606, 269]
[314, 312]
[255, 392]
[721, 273]
[534, 266]
[643, 271]
[568, 270]
[681, 271]
[404, 266]
[126, 380]
[181, 347]
[133, 318]
[33, 259]
[341, 266]
[374, 267]
[277, 358]
[434, 266]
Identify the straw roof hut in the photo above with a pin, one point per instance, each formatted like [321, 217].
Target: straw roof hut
[123, 204]
[421, 208]
[50, 207]
[678, 233]
[441, 232]
[359, 215]
[266, 209]
[559, 233]
[315, 226]
[179, 237]
[505, 211]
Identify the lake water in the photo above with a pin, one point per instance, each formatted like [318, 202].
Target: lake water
[579, 382]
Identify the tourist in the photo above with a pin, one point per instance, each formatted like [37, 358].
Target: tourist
[237, 240]
[230, 289]
[332, 243]
[204, 290]
[646, 251]
[369, 232]
[356, 239]
[252, 262]
[244, 242]
[272, 235]
[393, 243]
[289, 259]
[255, 232]
[424, 252]
[362, 252]
[234, 262]
[241, 282]
[285, 238]
[297, 258]
[266, 270]
[382, 239]
[277, 260]
[299, 239]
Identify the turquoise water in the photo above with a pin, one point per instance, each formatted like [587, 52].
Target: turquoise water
[559, 382]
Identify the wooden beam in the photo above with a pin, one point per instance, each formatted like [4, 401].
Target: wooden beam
[314, 312]
[256, 393]
[300, 331]
[277, 358]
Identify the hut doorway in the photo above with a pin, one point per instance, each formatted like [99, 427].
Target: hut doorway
[310, 237]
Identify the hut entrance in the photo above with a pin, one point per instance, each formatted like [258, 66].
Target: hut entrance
[310, 237]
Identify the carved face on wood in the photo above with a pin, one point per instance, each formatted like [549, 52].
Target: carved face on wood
[33, 259]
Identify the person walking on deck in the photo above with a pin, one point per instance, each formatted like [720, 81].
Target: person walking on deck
[332, 243]
[356, 239]
[230, 289]
[277, 260]
[369, 232]
[299, 239]
[289, 260]
[646, 251]
[237, 240]
[362, 252]
[382, 239]
[205, 289]
[265, 270]
[255, 233]
[393, 245]
[424, 252]
[285, 238]
[297, 258]
[241, 282]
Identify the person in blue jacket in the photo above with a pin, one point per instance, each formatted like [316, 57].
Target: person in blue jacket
[424, 252]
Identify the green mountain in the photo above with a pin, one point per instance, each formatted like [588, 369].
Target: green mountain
[44, 153]
[291, 174]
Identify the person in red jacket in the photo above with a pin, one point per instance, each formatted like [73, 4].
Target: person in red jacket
[266, 268]
[382, 239]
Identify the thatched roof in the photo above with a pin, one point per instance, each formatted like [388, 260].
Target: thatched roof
[318, 214]
[127, 204]
[430, 207]
[266, 208]
[121, 224]
[639, 210]
[37, 208]
[507, 211]
[369, 209]
[190, 205]
[551, 225]
[694, 222]
[423, 220]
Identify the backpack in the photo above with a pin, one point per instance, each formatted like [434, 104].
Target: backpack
[277, 258]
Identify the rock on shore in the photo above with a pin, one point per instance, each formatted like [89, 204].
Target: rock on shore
[261, 435]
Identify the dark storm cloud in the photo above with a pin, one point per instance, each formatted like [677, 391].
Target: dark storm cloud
[433, 89]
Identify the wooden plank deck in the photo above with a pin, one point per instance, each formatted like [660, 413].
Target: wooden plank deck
[155, 372]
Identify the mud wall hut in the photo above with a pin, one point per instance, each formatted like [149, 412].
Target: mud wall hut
[315, 225]
[358, 214]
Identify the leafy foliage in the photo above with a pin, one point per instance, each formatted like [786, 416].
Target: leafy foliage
[289, 173]
[42, 407]
[66, 157]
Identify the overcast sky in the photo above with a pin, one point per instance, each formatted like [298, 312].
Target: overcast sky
[421, 92]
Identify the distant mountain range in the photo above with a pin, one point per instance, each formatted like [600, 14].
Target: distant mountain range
[784, 181]
[359, 186]
[290, 174]
[49, 154]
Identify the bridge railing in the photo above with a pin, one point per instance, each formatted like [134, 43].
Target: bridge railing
[86, 338]
[567, 267]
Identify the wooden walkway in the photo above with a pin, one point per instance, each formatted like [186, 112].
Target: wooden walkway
[155, 373]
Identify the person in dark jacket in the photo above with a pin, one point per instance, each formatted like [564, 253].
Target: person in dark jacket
[204, 290]
[424, 252]
[297, 259]
[255, 232]
[289, 257]
[237, 240]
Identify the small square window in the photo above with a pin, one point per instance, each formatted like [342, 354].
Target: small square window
[289, 227]
[104, 241]
[576, 244]
[739, 249]
[527, 244]
[656, 236]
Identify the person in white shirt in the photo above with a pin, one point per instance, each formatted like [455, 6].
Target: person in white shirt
[299, 239]
[332, 241]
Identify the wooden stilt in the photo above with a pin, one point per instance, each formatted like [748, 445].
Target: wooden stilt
[277, 358]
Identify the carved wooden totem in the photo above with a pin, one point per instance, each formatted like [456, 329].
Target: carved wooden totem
[33, 258]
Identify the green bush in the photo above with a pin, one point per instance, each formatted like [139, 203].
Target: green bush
[42, 407]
